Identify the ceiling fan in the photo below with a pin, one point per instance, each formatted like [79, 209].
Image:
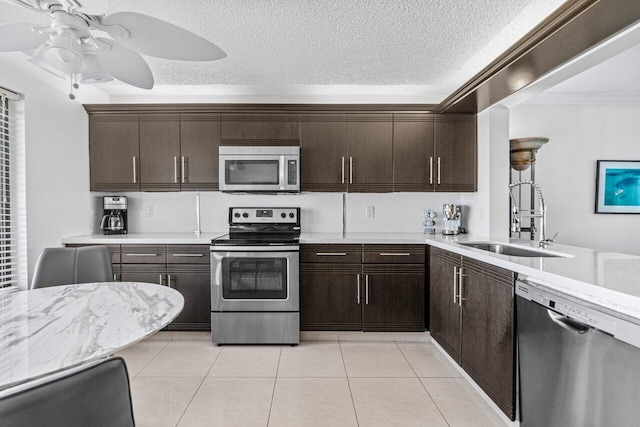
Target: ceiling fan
[69, 46]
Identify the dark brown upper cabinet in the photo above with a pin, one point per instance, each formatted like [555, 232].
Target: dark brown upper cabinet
[260, 129]
[160, 152]
[434, 152]
[340, 151]
[199, 142]
[455, 148]
[370, 153]
[114, 152]
[154, 152]
[347, 152]
[413, 152]
[323, 152]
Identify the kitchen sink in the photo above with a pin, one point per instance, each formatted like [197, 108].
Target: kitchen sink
[512, 250]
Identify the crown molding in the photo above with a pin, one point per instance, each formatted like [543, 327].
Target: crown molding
[574, 28]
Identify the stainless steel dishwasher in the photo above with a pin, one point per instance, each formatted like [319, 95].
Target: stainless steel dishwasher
[579, 366]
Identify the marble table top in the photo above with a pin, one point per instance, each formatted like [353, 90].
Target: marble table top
[46, 330]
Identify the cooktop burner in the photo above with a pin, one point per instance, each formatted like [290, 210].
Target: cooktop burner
[261, 227]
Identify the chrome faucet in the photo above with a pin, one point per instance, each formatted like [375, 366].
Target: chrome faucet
[517, 214]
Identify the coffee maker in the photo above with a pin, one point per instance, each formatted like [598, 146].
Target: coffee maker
[114, 219]
[451, 219]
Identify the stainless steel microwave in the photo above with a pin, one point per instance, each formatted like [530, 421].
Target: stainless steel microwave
[259, 169]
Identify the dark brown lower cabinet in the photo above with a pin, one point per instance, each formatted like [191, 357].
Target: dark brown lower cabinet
[488, 331]
[444, 308]
[329, 297]
[194, 283]
[362, 288]
[393, 297]
[148, 273]
[472, 318]
[185, 268]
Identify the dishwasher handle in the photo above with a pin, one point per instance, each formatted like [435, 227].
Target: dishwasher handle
[568, 323]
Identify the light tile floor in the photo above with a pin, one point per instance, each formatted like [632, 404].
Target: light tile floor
[181, 379]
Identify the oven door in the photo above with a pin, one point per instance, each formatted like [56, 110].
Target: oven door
[255, 279]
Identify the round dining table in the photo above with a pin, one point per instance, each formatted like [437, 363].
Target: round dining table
[47, 330]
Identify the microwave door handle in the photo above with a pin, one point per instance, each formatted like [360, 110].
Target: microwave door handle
[283, 172]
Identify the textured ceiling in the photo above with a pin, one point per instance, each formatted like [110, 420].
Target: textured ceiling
[427, 46]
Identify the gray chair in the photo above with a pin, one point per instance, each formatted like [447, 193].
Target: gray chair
[65, 266]
[96, 395]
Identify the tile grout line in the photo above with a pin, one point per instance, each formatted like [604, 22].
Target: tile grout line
[275, 381]
[353, 403]
[423, 386]
[199, 387]
[151, 360]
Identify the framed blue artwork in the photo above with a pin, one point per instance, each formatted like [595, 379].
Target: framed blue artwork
[618, 186]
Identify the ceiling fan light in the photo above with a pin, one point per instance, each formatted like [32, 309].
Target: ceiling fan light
[64, 52]
[93, 71]
[38, 60]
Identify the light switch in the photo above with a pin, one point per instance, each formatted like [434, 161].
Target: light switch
[148, 211]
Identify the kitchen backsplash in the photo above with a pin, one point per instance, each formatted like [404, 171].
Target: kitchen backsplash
[321, 212]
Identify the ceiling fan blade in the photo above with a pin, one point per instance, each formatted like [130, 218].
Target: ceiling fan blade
[18, 37]
[93, 7]
[125, 65]
[154, 37]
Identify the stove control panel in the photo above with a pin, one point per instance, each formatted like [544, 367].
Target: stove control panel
[264, 215]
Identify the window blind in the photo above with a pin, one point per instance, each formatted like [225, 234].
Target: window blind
[8, 258]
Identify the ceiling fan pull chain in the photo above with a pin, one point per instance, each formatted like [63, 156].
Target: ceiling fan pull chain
[74, 85]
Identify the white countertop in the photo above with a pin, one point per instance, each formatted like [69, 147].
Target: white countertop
[144, 239]
[604, 279]
[50, 329]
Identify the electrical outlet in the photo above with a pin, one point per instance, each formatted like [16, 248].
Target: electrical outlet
[149, 211]
[371, 212]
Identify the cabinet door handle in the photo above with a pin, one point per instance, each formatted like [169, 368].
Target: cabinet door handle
[455, 284]
[438, 170]
[331, 254]
[160, 281]
[169, 280]
[175, 169]
[135, 171]
[188, 255]
[430, 170]
[343, 169]
[366, 289]
[460, 286]
[115, 279]
[141, 254]
[350, 170]
[185, 172]
[394, 254]
[358, 276]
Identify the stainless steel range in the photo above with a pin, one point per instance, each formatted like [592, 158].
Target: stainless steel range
[255, 296]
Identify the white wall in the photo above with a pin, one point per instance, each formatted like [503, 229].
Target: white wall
[488, 207]
[57, 155]
[321, 212]
[566, 169]
[399, 212]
